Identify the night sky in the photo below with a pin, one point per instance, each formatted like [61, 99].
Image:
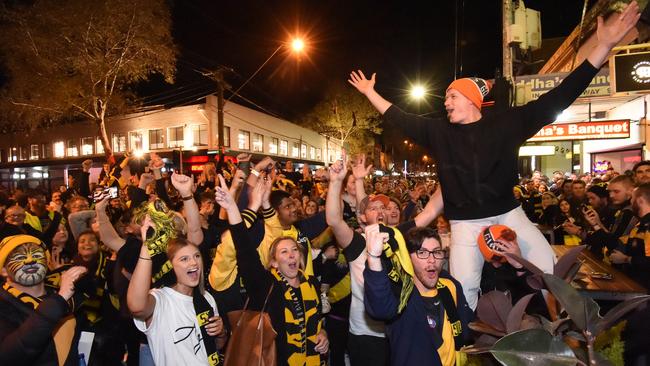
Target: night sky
[402, 41]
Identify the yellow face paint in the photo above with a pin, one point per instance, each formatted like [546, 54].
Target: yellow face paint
[27, 264]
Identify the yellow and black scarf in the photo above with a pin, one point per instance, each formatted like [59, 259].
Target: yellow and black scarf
[301, 321]
[204, 312]
[401, 270]
[62, 336]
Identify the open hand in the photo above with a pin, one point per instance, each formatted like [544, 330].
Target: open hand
[614, 30]
[359, 81]
[359, 168]
[322, 343]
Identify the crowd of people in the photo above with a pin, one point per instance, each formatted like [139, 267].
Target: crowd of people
[347, 267]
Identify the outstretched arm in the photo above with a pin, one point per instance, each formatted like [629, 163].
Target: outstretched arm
[612, 32]
[333, 208]
[184, 185]
[367, 88]
[360, 171]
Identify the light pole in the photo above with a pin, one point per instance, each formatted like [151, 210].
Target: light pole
[297, 45]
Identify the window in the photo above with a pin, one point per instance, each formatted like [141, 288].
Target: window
[226, 136]
[46, 150]
[295, 149]
[59, 149]
[135, 140]
[273, 146]
[258, 142]
[99, 147]
[156, 139]
[200, 135]
[13, 154]
[284, 147]
[87, 145]
[244, 140]
[312, 153]
[72, 147]
[303, 151]
[119, 142]
[23, 153]
[34, 152]
[318, 154]
[175, 136]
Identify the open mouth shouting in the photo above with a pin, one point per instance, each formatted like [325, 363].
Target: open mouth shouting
[194, 274]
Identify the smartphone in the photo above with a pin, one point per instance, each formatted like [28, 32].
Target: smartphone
[111, 192]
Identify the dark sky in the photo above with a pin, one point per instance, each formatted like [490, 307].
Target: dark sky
[402, 41]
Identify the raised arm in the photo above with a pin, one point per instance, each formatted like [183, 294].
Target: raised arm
[333, 207]
[612, 32]
[107, 233]
[360, 171]
[140, 302]
[184, 185]
[367, 88]
[432, 210]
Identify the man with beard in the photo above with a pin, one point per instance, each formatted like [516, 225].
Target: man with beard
[436, 315]
[642, 172]
[36, 326]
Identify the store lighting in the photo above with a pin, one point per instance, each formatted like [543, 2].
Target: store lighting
[37, 175]
[46, 175]
[16, 176]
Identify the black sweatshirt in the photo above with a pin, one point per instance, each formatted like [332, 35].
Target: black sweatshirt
[477, 162]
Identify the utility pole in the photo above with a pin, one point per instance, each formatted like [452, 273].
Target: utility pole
[506, 49]
[217, 77]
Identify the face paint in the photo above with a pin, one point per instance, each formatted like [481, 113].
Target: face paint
[27, 264]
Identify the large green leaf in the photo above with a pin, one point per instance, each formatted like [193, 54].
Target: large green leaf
[533, 347]
[582, 310]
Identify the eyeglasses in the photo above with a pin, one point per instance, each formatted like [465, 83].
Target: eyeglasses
[437, 254]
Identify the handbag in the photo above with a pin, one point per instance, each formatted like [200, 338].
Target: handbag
[252, 339]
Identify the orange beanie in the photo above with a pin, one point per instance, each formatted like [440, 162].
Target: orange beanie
[474, 89]
[490, 235]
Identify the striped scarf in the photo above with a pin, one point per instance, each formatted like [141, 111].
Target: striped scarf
[62, 336]
[301, 321]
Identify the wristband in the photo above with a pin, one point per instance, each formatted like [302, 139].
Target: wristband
[597, 227]
[187, 198]
[372, 255]
[255, 172]
[147, 259]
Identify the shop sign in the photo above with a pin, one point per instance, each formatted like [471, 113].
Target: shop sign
[615, 129]
[542, 83]
[631, 73]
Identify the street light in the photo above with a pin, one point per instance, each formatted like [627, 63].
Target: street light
[418, 92]
[297, 46]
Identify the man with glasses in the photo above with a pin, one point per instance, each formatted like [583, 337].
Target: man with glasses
[432, 327]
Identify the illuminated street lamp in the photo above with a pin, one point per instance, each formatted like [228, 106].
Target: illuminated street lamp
[418, 92]
[297, 45]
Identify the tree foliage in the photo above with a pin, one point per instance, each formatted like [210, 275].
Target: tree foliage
[74, 59]
[346, 115]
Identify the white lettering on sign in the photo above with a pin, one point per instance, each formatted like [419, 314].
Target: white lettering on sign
[584, 131]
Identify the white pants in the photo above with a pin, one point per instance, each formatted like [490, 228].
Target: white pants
[466, 261]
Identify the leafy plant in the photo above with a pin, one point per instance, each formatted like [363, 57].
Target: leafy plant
[569, 338]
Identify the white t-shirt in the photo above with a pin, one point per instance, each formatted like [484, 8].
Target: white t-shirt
[360, 322]
[174, 335]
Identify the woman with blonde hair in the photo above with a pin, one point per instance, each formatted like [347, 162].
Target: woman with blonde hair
[294, 304]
